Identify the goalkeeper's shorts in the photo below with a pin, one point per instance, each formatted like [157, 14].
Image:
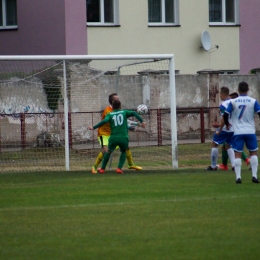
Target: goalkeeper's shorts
[103, 140]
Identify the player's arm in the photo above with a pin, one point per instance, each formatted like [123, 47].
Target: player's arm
[225, 117]
[257, 108]
[105, 120]
[226, 114]
[215, 124]
[132, 124]
[221, 125]
[133, 113]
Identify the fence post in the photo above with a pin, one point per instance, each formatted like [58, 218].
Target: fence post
[202, 126]
[0, 138]
[23, 133]
[159, 127]
[70, 129]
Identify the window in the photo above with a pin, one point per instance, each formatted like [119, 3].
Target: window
[162, 12]
[8, 17]
[102, 12]
[227, 72]
[223, 12]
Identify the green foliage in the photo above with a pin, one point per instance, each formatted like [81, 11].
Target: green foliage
[52, 88]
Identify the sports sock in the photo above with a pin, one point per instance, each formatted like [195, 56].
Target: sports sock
[122, 160]
[224, 157]
[243, 156]
[214, 157]
[129, 157]
[231, 156]
[238, 163]
[254, 165]
[99, 159]
[105, 160]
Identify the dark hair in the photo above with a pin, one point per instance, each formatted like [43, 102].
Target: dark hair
[111, 98]
[116, 104]
[233, 95]
[224, 90]
[243, 87]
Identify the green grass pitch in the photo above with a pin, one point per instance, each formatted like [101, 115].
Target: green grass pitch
[175, 214]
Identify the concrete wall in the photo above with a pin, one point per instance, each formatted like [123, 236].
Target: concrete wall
[88, 91]
[198, 90]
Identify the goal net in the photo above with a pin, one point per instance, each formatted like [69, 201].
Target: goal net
[47, 103]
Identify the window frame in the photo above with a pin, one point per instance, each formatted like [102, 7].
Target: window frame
[4, 17]
[102, 15]
[224, 23]
[163, 16]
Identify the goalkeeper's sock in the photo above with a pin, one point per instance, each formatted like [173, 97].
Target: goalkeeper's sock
[243, 156]
[99, 159]
[129, 157]
[224, 157]
[122, 160]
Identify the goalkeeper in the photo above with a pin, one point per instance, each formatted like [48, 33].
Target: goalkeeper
[104, 134]
[119, 133]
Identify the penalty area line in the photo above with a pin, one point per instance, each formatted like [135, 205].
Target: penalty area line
[123, 203]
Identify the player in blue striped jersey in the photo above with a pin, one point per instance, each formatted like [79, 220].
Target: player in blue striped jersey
[225, 136]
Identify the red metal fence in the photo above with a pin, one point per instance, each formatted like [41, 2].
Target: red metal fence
[24, 130]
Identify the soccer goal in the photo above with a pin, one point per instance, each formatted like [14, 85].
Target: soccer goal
[47, 103]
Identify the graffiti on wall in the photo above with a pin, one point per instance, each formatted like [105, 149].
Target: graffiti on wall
[11, 109]
[198, 97]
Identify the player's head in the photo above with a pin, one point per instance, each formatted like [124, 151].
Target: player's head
[233, 95]
[116, 104]
[243, 87]
[224, 93]
[112, 97]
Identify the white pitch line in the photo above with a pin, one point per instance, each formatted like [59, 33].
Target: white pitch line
[36, 183]
[121, 203]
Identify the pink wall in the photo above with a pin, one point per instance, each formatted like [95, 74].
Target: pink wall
[76, 28]
[47, 27]
[249, 35]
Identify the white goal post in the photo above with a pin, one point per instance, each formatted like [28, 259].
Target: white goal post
[47, 101]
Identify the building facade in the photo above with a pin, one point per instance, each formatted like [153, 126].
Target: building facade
[249, 36]
[159, 26]
[47, 27]
[43, 27]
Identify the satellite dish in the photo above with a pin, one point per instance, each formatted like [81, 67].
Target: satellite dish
[205, 40]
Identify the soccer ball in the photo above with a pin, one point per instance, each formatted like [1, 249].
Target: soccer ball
[142, 109]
